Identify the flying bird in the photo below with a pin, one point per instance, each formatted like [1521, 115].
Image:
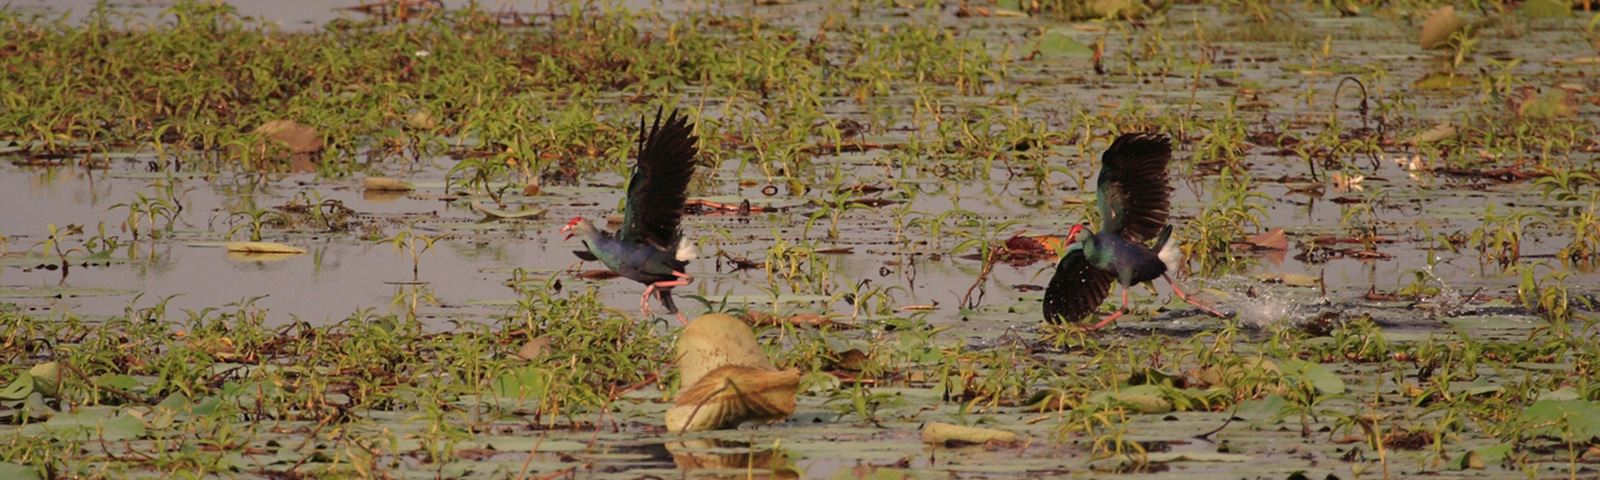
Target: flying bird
[1134, 199]
[649, 247]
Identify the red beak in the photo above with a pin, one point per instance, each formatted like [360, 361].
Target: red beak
[1072, 235]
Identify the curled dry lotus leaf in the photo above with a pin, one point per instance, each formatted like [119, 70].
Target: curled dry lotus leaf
[944, 433]
[727, 378]
[1437, 29]
[385, 184]
[731, 395]
[715, 340]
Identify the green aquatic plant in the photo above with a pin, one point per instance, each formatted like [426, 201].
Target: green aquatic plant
[1235, 207]
[1501, 237]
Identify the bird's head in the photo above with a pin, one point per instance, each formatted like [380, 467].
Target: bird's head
[574, 226]
[1079, 229]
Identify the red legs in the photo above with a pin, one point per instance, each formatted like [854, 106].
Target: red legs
[1203, 305]
[644, 301]
[1113, 317]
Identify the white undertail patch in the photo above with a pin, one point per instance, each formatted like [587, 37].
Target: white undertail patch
[1170, 254]
[686, 250]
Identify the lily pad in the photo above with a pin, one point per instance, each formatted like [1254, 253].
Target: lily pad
[1569, 420]
[13, 471]
[1546, 9]
[1055, 44]
[1315, 374]
[534, 212]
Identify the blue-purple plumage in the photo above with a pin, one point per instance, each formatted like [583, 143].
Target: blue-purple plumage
[649, 246]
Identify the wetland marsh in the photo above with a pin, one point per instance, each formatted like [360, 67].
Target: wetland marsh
[1405, 237]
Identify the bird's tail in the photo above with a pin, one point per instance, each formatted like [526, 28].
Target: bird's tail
[1167, 249]
[686, 250]
[665, 296]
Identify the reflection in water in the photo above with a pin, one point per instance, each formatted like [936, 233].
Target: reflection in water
[719, 454]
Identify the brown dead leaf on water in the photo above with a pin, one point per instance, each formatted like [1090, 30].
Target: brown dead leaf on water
[940, 433]
[385, 184]
[1273, 239]
[263, 247]
[534, 348]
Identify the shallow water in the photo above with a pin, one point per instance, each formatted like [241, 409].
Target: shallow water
[467, 272]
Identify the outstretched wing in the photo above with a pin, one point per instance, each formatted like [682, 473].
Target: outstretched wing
[1076, 290]
[1133, 192]
[660, 182]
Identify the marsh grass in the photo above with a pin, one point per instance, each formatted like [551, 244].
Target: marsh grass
[936, 114]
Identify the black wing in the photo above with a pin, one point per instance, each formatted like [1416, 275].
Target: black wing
[660, 183]
[1076, 290]
[1133, 192]
[585, 256]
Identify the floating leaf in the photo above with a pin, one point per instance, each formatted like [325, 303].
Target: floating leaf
[117, 380]
[1250, 368]
[12, 471]
[1318, 376]
[1546, 9]
[1445, 81]
[385, 184]
[534, 212]
[1576, 421]
[525, 382]
[1273, 239]
[262, 247]
[1139, 398]
[1168, 457]
[95, 423]
[1555, 103]
[1262, 411]
[944, 434]
[1439, 132]
[1440, 25]
[1055, 44]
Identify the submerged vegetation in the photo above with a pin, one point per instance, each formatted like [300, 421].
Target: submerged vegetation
[1407, 237]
